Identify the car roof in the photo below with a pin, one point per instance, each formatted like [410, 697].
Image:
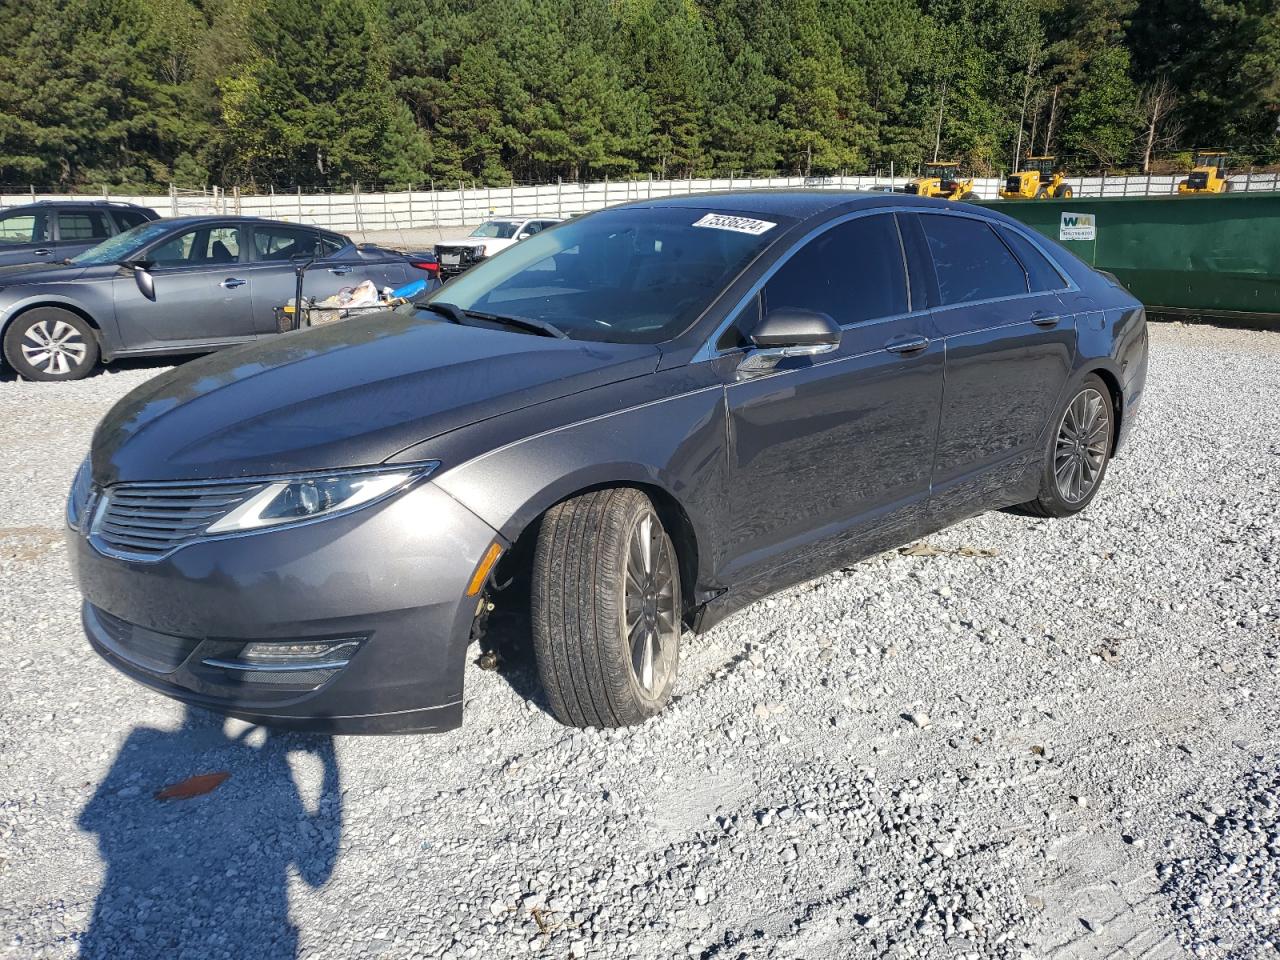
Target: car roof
[805, 204]
[196, 220]
[43, 204]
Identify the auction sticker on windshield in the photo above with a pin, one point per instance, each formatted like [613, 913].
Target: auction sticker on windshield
[720, 221]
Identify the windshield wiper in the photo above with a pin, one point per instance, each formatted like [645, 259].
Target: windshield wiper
[542, 327]
[450, 311]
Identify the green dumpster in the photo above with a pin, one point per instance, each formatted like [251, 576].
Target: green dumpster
[1215, 256]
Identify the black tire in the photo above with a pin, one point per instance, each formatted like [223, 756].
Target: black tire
[1042, 193]
[580, 597]
[1065, 458]
[969, 195]
[1064, 192]
[49, 343]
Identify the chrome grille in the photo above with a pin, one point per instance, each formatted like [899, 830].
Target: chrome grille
[153, 519]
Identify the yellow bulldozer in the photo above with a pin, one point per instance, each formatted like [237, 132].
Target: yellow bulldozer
[1040, 178]
[942, 179]
[1208, 174]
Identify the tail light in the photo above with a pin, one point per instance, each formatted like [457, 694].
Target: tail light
[430, 266]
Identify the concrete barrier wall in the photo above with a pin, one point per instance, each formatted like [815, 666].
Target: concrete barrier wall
[358, 212]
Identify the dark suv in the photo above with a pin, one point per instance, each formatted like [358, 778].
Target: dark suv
[49, 231]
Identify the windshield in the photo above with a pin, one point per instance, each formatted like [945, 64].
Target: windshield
[629, 275]
[123, 245]
[941, 173]
[1210, 160]
[501, 229]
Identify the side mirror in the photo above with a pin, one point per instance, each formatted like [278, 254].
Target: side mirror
[789, 332]
[146, 282]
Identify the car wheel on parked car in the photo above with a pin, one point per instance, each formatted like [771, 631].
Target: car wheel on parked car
[606, 609]
[48, 343]
[1078, 451]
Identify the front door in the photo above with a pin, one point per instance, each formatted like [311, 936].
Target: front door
[1010, 346]
[830, 456]
[203, 293]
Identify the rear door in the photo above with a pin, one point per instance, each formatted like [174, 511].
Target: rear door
[830, 455]
[78, 229]
[1009, 351]
[203, 291]
[26, 236]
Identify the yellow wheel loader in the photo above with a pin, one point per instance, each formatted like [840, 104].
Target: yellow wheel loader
[1209, 174]
[942, 179]
[1039, 179]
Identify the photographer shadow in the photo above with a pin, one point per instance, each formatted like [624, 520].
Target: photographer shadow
[208, 876]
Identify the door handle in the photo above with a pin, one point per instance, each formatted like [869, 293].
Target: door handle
[1042, 319]
[232, 282]
[42, 252]
[908, 344]
[339, 271]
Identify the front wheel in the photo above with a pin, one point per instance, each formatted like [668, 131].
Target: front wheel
[606, 609]
[1064, 192]
[1079, 450]
[48, 343]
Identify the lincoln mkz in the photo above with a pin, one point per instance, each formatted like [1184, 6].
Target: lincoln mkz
[638, 421]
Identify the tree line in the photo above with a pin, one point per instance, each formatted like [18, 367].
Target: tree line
[321, 93]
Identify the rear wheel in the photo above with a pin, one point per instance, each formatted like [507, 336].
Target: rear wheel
[48, 343]
[606, 609]
[1079, 450]
[1042, 193]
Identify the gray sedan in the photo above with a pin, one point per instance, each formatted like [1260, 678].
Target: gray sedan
[183, 285]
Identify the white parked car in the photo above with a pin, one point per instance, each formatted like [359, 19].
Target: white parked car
[486, 240]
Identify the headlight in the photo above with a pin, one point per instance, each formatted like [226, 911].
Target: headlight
[79, 495]
[290, 500]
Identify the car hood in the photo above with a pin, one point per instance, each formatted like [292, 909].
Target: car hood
[467, 242]
[46, 272]
[349, 394]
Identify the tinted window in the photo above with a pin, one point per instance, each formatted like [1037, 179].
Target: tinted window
[330, 245]
[853, 272]
[82, 225]
[627, 275]
[971, 261]
[1042, 274]
[130, 218]
[499, 229]
[281, 243]
[23, 228]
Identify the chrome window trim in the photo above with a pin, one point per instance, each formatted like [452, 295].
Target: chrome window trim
[708, 351]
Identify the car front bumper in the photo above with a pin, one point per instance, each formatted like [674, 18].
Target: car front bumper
[393, 576]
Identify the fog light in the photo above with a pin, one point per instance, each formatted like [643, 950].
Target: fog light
[303, 654]
[290, 661]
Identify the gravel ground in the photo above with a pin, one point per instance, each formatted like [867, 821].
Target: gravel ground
[1039, 739]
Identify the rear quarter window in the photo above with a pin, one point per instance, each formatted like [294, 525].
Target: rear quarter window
[971, 261]
[1042, 275]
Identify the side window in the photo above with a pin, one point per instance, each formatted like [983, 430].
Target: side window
[532, 227]
[223, 245]
[23, 228]
[129, 219]
[176, 251]
[852, 272]
[79, 225]
[330, 245]
[198, 247]
[970, 260]
[1042, 274]
[281, 243]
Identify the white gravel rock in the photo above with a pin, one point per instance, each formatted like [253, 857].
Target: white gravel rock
[1128, 656]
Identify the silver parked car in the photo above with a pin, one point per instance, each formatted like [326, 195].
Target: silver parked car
[182, 285]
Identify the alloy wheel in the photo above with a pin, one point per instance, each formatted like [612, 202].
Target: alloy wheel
[54, 346]
[1080, 453]
[651, 617]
